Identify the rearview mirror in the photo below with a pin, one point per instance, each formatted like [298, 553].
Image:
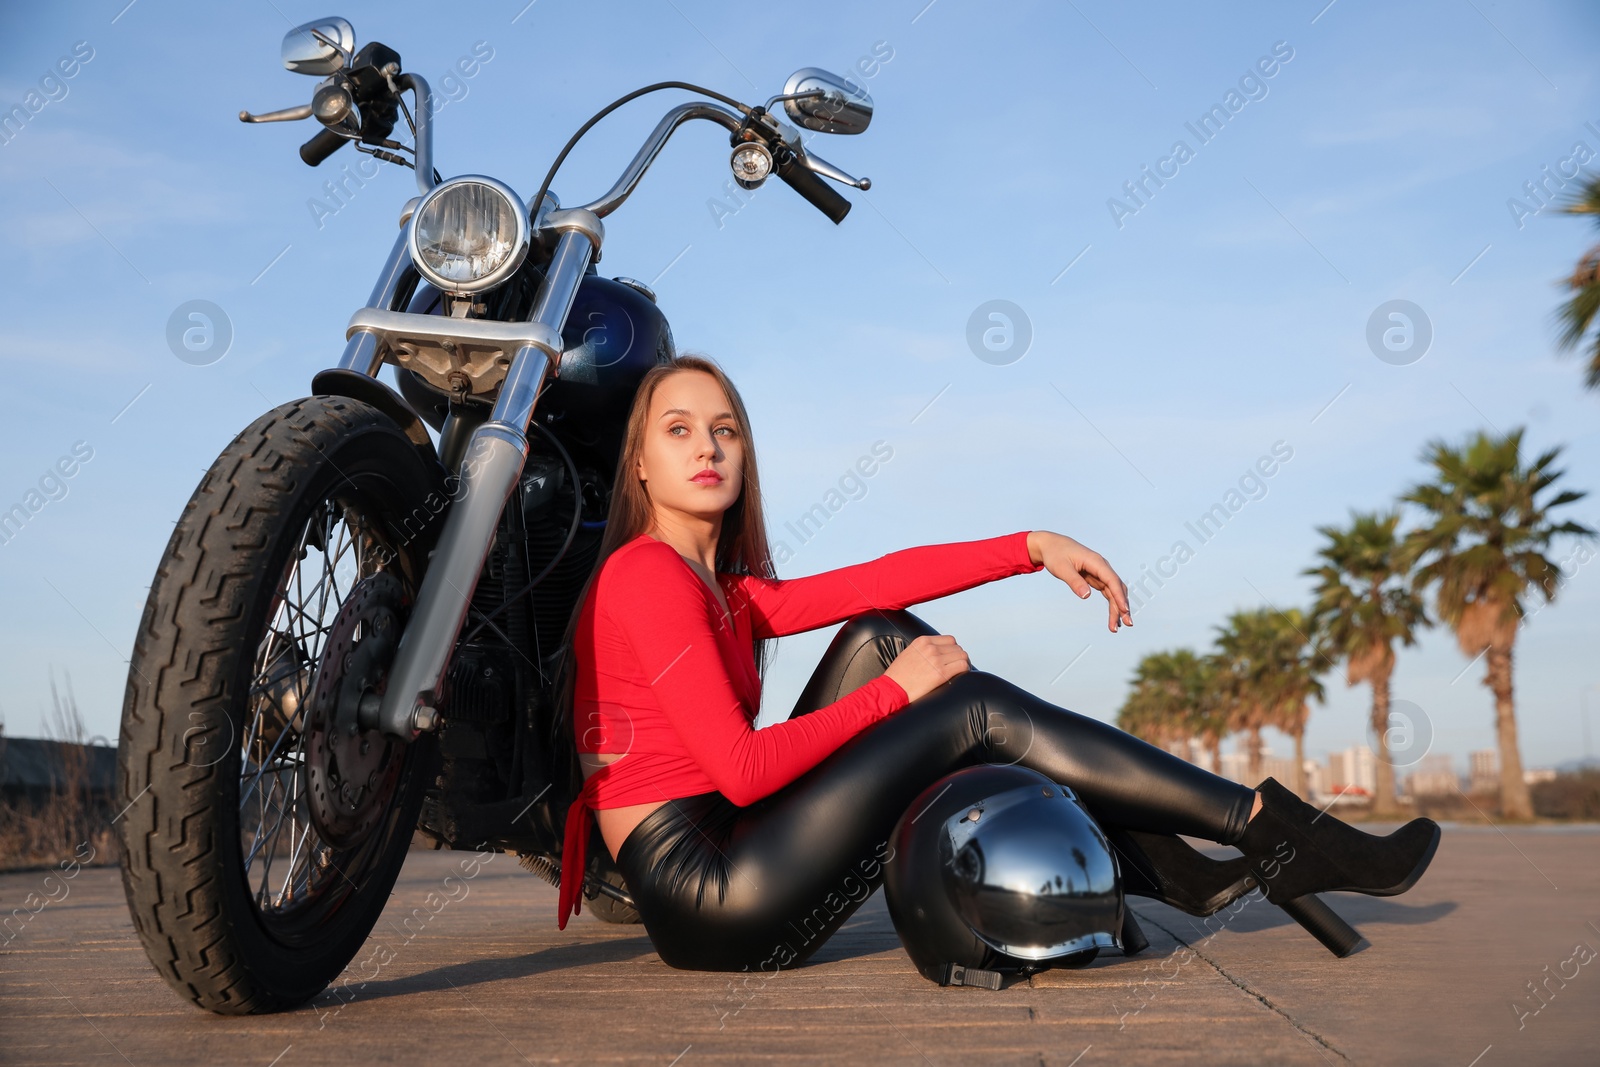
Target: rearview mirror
[320, 47]
[839, 106]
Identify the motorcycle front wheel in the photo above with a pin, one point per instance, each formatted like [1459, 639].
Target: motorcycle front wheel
[260, 844]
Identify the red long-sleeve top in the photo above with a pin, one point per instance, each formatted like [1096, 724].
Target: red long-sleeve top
[667, 679]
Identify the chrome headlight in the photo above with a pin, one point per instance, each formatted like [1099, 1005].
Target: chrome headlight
[468, 234]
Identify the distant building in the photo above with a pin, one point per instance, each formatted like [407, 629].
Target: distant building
[1317, 781]
[1195, 751]
[1355, 770]
[1483, 771]
[1279, 767]
[1539, 774]
[1435, 776]
[1176, 748]
[1236, 766]
[34, 770]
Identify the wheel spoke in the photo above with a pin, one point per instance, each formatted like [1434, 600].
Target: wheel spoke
[281, 856]
[289, 728]
[270, 838]
[286, 895]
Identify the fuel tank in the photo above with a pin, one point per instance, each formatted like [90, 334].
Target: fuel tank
[614, 334]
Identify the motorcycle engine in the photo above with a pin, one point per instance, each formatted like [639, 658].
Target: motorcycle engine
[500, 689]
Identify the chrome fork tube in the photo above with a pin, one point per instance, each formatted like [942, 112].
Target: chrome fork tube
[361, 351]
[479, 491]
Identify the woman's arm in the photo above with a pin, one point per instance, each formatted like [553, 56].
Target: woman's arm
[664, 611]
[779, 607]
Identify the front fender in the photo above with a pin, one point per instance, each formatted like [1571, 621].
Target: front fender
[357, 386]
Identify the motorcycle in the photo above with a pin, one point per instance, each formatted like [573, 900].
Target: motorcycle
[353, 636]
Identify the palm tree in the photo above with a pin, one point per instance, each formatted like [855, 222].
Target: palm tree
[1266, 668]
[1484, 547]
[1242, 673]
[1189, 681]
[1208, 717]
[1363, 605]
[1159, 707]
[1578, 313]
[1295, 662]
[1141, 716]
[1141, 713]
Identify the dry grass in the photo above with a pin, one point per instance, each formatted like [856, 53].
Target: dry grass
[71, 823]
[1572, 797]
[1569, 796]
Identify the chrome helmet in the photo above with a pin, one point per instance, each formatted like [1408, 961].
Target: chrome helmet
[996, 870]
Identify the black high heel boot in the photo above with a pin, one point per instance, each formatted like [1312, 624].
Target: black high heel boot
[1294, 850]
[1164, 867]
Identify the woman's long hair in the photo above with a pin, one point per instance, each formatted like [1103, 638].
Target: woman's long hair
[741, 545]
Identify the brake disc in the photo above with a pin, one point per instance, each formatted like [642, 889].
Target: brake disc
[351, 772]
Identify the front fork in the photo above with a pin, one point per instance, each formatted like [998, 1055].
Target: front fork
[490, 467]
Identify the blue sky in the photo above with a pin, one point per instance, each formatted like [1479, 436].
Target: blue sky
[1172, 346]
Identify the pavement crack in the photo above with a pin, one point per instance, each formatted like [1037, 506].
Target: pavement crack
[1266, 1002]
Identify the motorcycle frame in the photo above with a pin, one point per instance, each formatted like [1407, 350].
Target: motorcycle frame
[492, 461]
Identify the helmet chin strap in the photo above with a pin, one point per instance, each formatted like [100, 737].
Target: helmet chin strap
[955, 974]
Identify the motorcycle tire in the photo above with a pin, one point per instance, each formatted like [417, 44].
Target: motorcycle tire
[240, 903]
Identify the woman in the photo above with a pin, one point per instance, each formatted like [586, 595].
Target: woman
[727, 836]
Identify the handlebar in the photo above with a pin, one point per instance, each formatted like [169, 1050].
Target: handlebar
[320, 147]
[818, 192]
[326, 142]
[624, 186]
[796, 171]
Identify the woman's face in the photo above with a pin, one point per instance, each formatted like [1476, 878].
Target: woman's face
[692, 461]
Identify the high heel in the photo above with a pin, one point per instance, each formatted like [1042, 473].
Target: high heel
[1133, 939]
[1295, 850]
[1322, 923]
[1164, 867]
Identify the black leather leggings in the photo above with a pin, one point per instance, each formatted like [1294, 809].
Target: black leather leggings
[725, 888]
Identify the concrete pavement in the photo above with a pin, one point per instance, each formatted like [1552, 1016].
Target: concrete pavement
[1490, 960]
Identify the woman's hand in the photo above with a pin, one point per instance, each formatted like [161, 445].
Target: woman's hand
[1082, 569]
[927, 663]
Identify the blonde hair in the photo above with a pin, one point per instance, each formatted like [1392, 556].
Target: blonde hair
[741, 544]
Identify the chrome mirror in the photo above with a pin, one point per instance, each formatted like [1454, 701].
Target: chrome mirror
[826, 102]
[319, 47]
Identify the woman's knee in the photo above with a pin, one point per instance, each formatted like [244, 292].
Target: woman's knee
[884, 622]
[862, 649]
[978, 688]
[963, 706]
[989, 713]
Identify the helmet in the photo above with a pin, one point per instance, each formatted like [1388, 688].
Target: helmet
[997, 869]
